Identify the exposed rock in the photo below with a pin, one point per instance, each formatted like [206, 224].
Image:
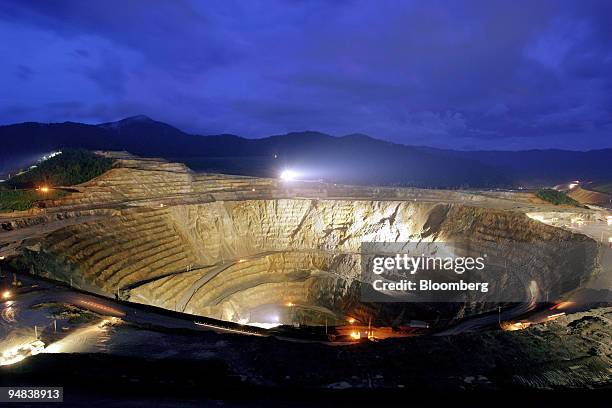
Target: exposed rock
[227, 246]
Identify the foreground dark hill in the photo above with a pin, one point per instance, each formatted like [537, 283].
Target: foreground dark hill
[350, 159]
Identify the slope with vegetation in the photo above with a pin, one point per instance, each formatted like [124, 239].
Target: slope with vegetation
[66, 169]
[28, 189]
[557, 197]
[22, 200]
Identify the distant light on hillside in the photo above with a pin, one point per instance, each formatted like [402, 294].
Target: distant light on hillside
[50, 156]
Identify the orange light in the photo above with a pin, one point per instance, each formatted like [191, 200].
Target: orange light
[355, 335]
[44, 189]
[351, 320]
[515, 326]
[290, 304]
[562, 305]
[6, 295]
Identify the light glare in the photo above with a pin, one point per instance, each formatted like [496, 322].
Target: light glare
[288, 175]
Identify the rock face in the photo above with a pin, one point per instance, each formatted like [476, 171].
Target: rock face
[240, 248]
[590, 197]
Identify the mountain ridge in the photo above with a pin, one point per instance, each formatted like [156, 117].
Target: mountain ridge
[352, 158]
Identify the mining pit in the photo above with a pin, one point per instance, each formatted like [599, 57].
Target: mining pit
[266, 251]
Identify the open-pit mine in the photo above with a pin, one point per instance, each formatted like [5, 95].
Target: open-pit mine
[196, 280]
[269, 251]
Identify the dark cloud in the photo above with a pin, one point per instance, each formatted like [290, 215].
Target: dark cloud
[82, 53]
[24, 72]
[470, 74]
[108, 73]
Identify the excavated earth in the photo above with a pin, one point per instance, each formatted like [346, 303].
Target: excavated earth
[240, 249]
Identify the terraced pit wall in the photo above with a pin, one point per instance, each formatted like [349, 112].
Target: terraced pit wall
[244, 249]
[246, 260]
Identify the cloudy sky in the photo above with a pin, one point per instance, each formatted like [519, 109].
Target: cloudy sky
[457, 74]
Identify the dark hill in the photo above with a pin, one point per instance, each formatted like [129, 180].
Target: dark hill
[353, 158]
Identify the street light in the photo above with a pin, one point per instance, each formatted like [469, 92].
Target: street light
[6, 294]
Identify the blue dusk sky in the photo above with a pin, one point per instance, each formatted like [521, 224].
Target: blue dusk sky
[450, 74]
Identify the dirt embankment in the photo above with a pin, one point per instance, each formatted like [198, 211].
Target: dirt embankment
[590, 197]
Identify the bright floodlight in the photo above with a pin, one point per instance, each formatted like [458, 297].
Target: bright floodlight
[288, 175]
